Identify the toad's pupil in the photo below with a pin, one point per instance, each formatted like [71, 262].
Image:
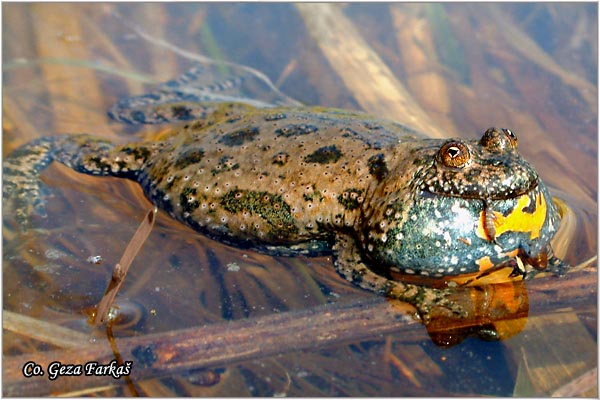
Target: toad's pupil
[454, 152]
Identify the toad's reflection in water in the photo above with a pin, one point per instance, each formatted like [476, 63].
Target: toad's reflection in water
[493, 312]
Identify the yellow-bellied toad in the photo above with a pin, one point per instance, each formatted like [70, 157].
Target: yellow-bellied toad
[392, 204]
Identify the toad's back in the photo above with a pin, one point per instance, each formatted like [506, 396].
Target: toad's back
[274, 177]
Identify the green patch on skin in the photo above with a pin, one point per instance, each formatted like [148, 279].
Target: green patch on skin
[239, 137]
[270, 207]
[325, 155]
[392, 210]
[351, 198]
[314, 196]
[391, 243]
[184, 199]
[224, 165]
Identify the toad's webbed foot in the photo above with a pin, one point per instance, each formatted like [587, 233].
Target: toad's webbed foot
[23, 192]
[545, 261]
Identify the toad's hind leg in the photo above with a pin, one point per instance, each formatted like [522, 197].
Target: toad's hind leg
[196, 94]
[349, 264]
[159, 107]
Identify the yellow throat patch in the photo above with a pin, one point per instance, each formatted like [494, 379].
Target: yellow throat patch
[518, 220]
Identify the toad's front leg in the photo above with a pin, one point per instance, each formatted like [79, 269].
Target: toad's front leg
[349, 264]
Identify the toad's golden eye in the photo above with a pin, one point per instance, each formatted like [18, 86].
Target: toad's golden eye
[455, 154]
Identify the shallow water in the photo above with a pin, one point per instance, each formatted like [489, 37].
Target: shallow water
[450, 70]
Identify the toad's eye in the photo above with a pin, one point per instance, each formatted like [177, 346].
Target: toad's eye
[454, 154]
[511, 136]
[499, 140]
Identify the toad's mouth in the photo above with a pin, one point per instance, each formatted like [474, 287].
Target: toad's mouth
[484, 193]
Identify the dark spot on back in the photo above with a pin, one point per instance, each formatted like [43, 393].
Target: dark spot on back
[296, 130]
[137, 152]
[281, 158]
[275, 117]
[138, 116]
[189, 157]
[372, 126]
[151, 96]
[349, 133]
[188, 201]
[198, 124]
[239, 137]
[377, 166]
[325, 155]
[169, 185]
[181, 112]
